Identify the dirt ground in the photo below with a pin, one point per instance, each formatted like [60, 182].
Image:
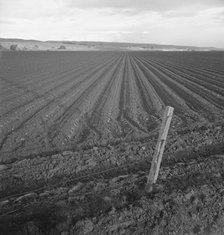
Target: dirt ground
[101, 190]
[53, 101]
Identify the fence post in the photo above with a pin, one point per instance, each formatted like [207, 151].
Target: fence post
[158, 154]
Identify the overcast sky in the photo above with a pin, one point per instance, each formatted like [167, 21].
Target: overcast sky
[180, 22]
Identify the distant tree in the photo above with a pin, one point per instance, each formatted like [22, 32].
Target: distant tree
[35, 47]
[13, 47]
[62, 47]
[1, 47]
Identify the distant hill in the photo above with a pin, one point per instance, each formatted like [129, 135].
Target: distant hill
[17, 40]
[35, 45]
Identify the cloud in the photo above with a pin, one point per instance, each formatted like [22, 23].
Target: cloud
[144, 5]
[176, 22]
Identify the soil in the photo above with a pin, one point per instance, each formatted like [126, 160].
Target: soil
[57, 101]
[78, 135]
[101, 190]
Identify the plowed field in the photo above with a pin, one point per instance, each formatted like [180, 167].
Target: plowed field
[78, 132]
[52, 101]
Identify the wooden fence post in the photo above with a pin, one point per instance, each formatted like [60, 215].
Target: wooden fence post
[158, 154]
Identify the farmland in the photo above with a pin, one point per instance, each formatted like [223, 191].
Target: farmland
[78, 132]
[52, 101]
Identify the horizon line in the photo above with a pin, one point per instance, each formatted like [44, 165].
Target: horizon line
[141, 43]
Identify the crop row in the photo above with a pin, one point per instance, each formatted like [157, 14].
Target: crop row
[56, 99]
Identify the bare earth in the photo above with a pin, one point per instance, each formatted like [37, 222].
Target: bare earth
[78, 131]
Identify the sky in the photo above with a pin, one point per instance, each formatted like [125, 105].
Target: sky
[173, 22]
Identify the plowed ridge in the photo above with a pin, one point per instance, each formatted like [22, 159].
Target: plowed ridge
[51, 101]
